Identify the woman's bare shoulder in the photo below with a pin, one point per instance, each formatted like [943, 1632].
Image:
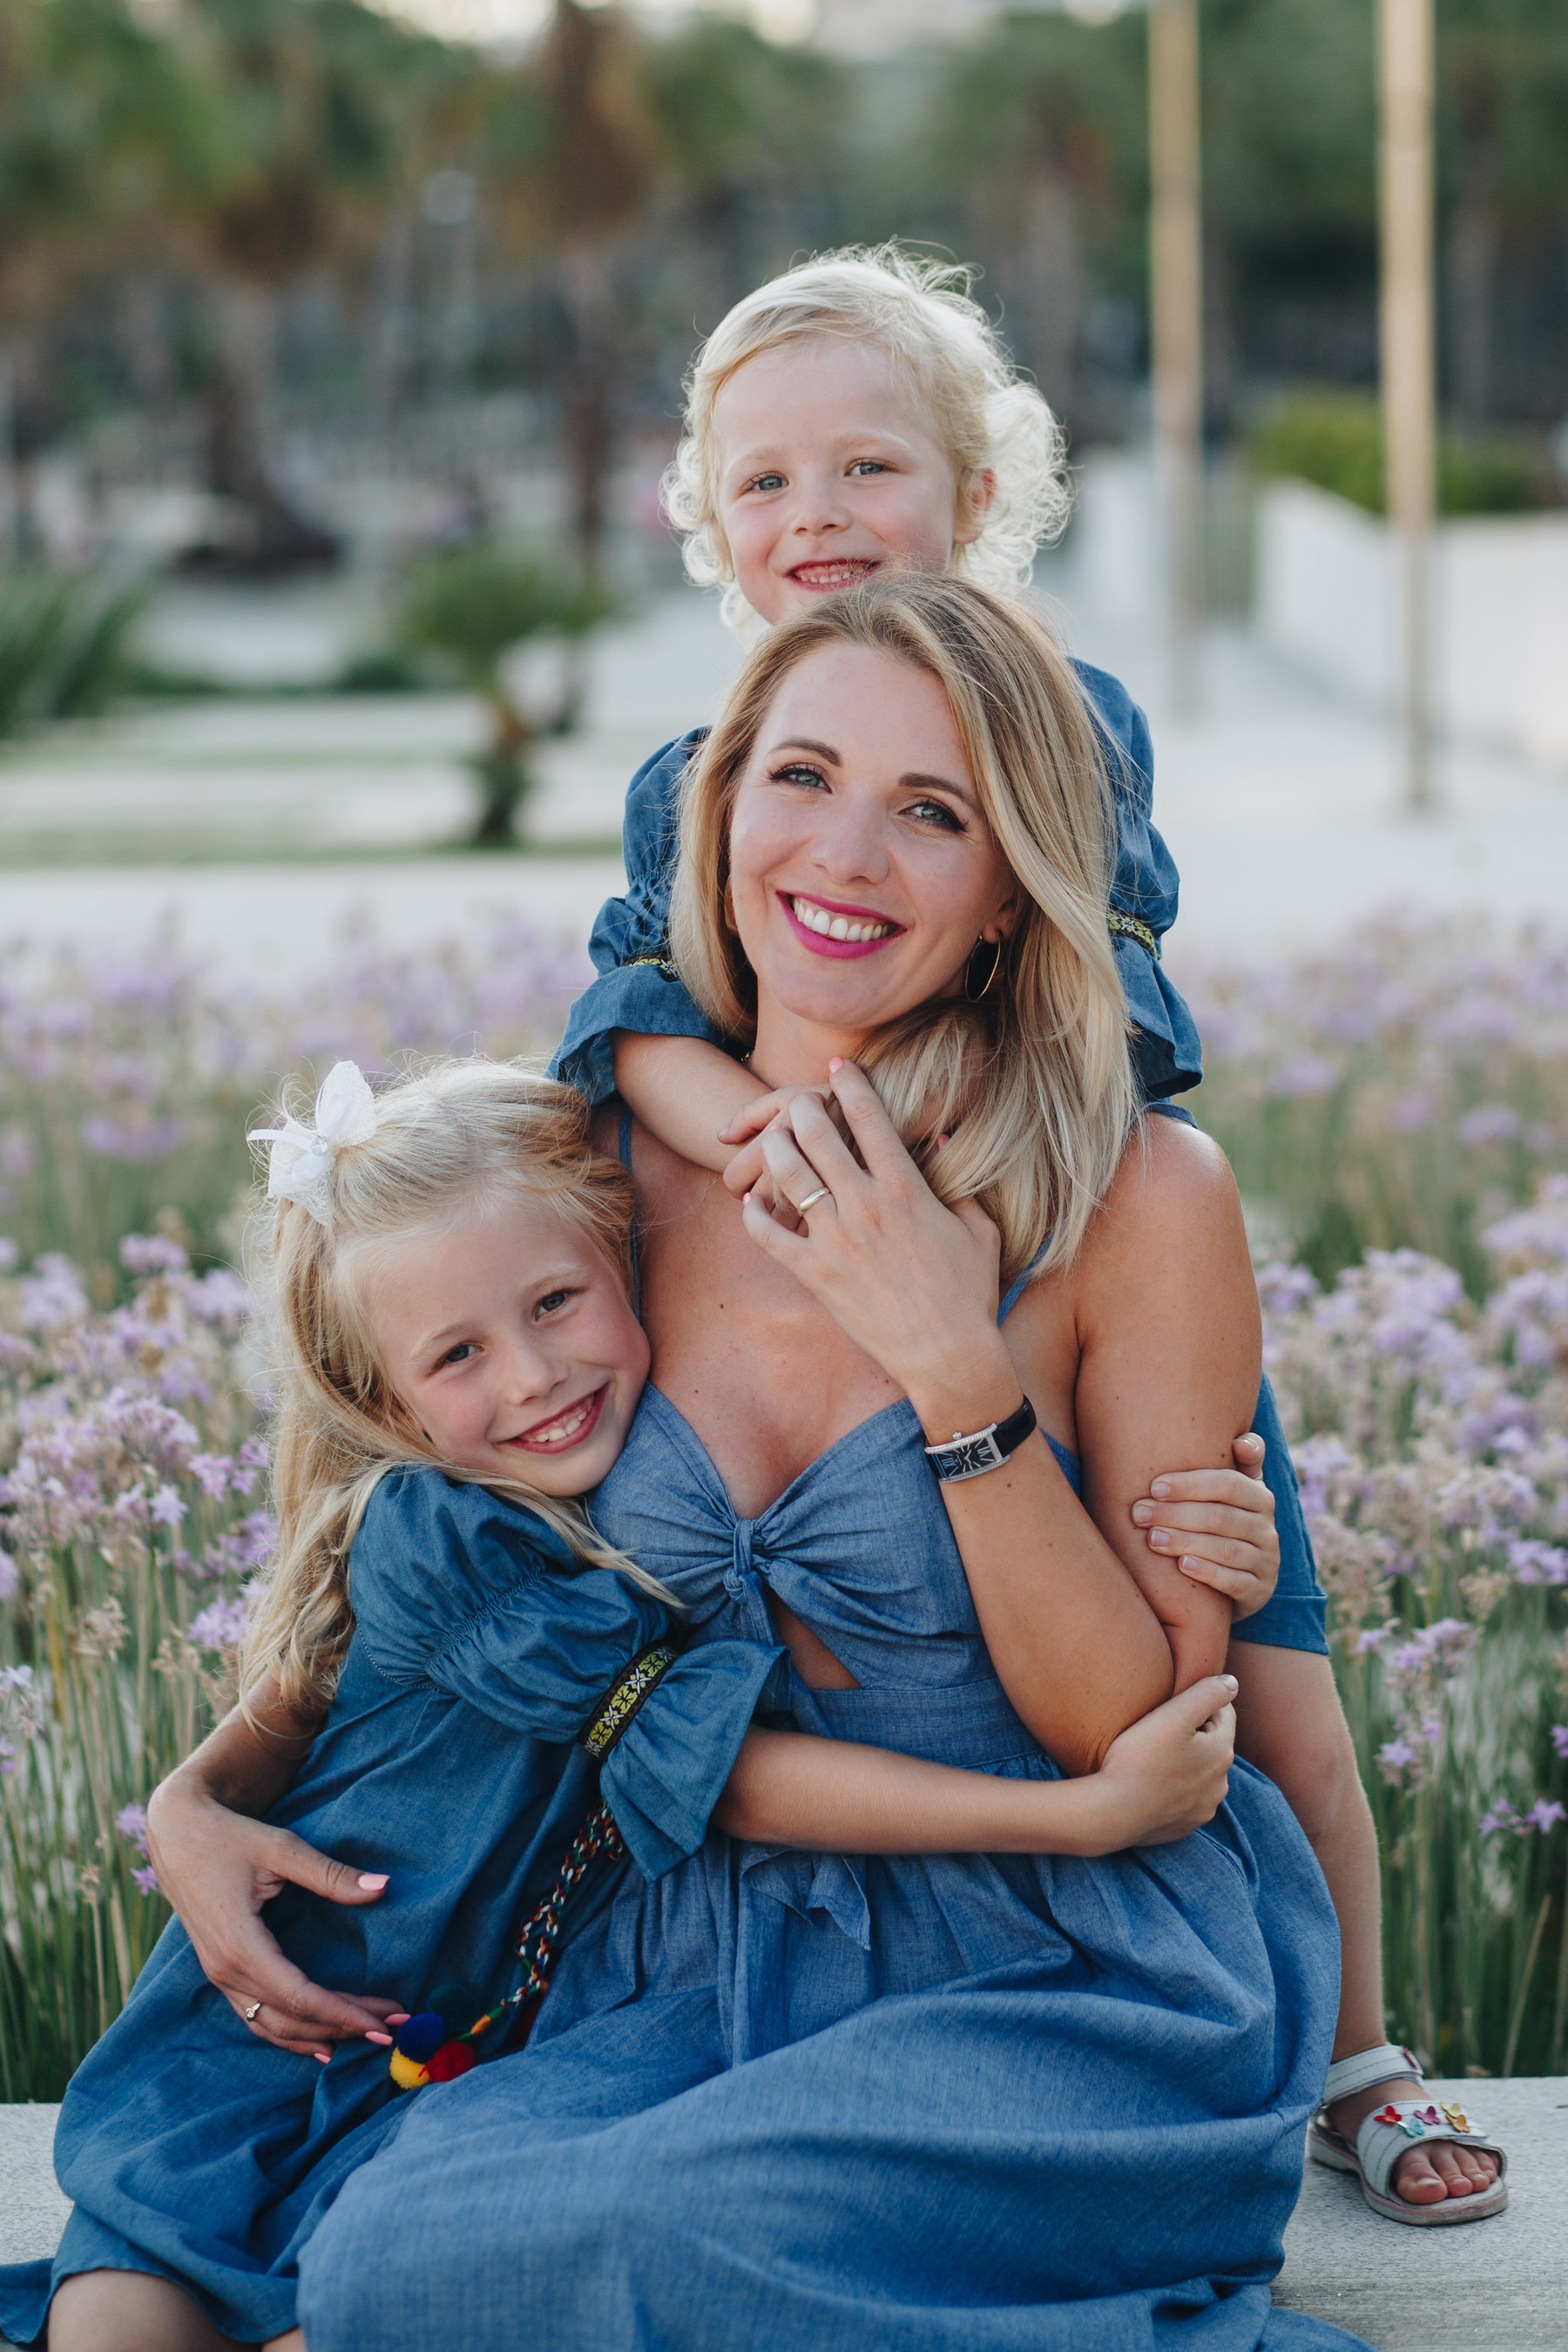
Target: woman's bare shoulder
[1171, 1217]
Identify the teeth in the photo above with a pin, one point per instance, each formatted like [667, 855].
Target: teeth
[563, 1425]
[836, 927]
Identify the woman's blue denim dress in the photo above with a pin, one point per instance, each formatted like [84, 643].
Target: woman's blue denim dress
[636, 990]
[481, 1647]
[917, 2104]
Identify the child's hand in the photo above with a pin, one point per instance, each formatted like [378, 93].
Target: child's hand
[747, 1172]
[1218, 1527]
[1167, 1774]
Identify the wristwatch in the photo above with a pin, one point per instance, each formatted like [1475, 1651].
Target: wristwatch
[987, 1449]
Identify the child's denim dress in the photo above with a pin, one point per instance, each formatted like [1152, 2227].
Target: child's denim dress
[481, 1648]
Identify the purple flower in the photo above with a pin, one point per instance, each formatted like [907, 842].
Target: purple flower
[166, 1507]
[1489, 1123]
[131, 1821]
[211, 1472]
[1304, 1076]
[1560, 1738]
[1396, 1754]
[220, 1626]
[151, 1253]
[1412, 1110]
[1545, 1813]
[9, 1253]
[146, 1880]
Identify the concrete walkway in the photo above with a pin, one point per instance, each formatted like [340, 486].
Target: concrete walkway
[1500, 2286]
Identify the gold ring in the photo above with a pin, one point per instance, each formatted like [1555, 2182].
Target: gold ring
[811, 1199]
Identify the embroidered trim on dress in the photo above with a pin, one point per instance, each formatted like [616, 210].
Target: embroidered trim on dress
[625, 1695]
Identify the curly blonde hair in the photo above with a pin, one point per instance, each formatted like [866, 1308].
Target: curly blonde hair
[450, 1141]
[1035, 1081]
[922, 313]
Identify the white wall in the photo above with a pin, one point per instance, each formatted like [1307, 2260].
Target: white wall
[1326, 600]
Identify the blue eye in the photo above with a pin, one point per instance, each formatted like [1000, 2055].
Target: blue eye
[936, 813]
[551, 1300]
[464, 1349]
[868, 465]
[799, 771]
[768, 482]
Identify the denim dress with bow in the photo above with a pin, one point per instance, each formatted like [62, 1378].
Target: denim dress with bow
[960, 2103]
[481, 1648]
[637, 990]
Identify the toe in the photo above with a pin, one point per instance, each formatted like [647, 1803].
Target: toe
[1416, 2181]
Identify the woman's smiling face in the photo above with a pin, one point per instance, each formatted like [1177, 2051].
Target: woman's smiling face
[862, 869]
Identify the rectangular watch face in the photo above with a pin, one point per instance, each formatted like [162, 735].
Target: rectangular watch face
[970, 1458]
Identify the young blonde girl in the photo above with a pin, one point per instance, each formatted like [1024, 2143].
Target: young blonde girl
[503, 1701]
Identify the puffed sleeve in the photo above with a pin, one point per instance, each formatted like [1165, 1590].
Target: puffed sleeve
[1165, 1050]
[456, 1588]
[637, 989]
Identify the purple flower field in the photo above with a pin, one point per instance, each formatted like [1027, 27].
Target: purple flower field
[1397, 1114]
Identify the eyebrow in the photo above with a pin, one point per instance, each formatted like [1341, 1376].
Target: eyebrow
[916, 781]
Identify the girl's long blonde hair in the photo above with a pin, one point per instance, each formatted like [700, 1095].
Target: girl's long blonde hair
[1035, 1082]
[952, 362]
[455, 1138]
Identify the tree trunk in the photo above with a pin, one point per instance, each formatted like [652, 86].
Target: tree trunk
[589, 394]
[274, 536]
[1474, 238]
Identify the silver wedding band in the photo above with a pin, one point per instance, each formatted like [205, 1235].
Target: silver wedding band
[811, 1199]
[250, 2014]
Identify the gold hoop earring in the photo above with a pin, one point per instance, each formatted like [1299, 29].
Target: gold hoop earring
[982, 945]
[729, 922]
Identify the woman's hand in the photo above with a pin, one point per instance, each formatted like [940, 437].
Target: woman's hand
[1167, 1774]
[217, 1868]
[747, 1171]
[1218, 1527]
[912, 1281]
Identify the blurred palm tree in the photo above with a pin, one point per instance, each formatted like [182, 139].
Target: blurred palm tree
[570, 154]
[322, 103]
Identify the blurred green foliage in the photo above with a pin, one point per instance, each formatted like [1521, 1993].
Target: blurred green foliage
[1335, 439]
[63, 645]
[470, 607]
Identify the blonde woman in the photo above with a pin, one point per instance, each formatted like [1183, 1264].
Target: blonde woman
[887, 2101]
[855, 417]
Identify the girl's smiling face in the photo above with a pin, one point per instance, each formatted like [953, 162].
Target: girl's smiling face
[862, 865]
[512, 1342]
[828, 471]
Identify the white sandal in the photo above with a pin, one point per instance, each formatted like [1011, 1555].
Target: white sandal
[1389, 2130]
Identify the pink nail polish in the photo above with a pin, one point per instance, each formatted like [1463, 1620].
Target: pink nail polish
[400, 2017]
[325, 2055]
[837, 1063]
[373, 1881]
[384, 2040]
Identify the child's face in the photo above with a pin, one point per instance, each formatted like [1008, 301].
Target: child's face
[828, 471]
[858, 807]
[512, 1344]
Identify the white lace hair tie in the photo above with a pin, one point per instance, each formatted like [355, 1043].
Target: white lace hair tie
[300, 1165]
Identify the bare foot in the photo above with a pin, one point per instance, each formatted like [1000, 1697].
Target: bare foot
[1423, 2175]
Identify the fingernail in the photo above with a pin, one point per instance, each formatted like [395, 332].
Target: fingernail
[837, 1063]
[383, 2039]
[1230, 1681]
[1142, 1513]
[325, 2055]
[400, 2017]
[1162, 1487]
[1159, 1537]
[373, 1881]
[745, 1199]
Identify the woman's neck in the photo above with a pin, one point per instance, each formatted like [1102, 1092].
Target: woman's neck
[792, 1051]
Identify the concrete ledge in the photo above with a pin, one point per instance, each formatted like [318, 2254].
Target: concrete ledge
[1500, 2286]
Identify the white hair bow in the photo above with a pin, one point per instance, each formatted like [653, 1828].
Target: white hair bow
[301, 1160]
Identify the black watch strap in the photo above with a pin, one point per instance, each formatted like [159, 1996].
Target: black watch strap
[987, 1449]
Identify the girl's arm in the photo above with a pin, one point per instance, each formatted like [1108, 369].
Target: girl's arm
[1161, 1780]
[1166, 1335]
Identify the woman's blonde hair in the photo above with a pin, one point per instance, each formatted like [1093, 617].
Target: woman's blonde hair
[449, 1142]
[922, 314]
[1034, 1081]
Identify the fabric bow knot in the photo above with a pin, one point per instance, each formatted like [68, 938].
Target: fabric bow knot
[300, 1164]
